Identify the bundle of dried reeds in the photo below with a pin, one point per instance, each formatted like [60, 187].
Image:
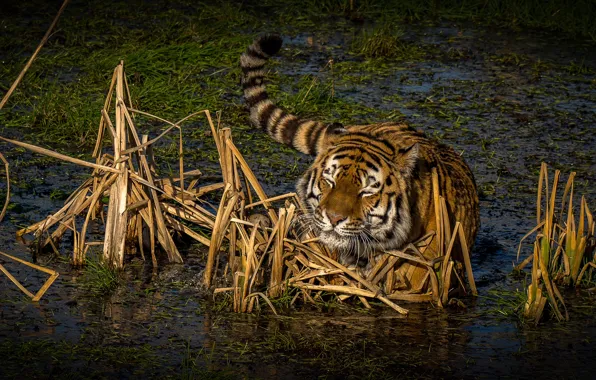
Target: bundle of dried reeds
[264, 252]
[564, 250]
[279, 257]
[126, 176]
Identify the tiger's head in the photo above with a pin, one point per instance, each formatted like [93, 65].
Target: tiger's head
[356, 195]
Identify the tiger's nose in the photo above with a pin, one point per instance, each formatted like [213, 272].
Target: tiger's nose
[335, 218]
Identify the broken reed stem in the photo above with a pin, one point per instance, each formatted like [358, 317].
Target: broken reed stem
[6, 169]
[33, 56]
[254, 182]
[467, 262]
[117, 215]
[59, 156]
[249, 270]
[37, 296]
[163, 236]
[437, 206]
[352, 291]
[105, 119]
[224, 210]
[16, 282]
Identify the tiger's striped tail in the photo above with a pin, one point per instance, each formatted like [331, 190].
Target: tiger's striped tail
[305, 136]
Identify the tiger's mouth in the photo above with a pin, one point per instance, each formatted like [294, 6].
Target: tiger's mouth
[348, 244]
[353, 241]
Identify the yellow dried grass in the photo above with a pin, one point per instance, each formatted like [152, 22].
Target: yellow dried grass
[559, 249]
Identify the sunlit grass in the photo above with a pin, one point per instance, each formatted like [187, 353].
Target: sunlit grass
[99, 278]
[564, 249]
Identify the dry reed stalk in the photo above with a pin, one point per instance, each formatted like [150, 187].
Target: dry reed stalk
[59, 156]
[275, 279]
[37, 296]
[535, 300]
[438, 208]
[222, 219]
[163, 236]
[254, 182]
[33, 56]
[249, 264]
[6, 170]
[467, 262]
[117, 215]
[105, 121]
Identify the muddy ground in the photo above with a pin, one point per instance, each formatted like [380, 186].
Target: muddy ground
[507, 99]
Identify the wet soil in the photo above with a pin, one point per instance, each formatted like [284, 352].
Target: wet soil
[507, 100]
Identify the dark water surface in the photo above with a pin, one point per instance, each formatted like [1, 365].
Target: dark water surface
[506, 100]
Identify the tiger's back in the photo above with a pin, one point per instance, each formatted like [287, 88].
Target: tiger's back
[369, 188]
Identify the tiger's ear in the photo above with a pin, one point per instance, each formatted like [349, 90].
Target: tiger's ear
[335, 129]
[407, 158]
[331, 130]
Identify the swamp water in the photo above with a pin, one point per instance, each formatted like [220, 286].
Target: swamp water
[507, 100]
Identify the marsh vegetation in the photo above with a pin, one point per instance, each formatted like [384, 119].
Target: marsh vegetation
[509, 84]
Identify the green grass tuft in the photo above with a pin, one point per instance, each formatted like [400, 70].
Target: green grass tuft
[99, 278]
[383, 41]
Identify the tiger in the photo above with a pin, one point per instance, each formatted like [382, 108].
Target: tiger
[369, 189]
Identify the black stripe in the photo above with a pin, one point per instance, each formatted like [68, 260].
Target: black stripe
[389, 205]
[343, 148]
[254, 100]
[342, 156]
[388, 181]
[248, 69]
[366, 148]
[252, 82]
[253, 53]
[311, 184]
[269, 43]
[314, 137]
[274, 127]
[371, 165]
[398, 202]
[372, 140]
[266, 114]
[289, 131]
[376, 159]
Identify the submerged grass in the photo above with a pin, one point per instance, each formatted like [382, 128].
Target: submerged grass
[100, 361]
[194, 363]
[507, 303]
